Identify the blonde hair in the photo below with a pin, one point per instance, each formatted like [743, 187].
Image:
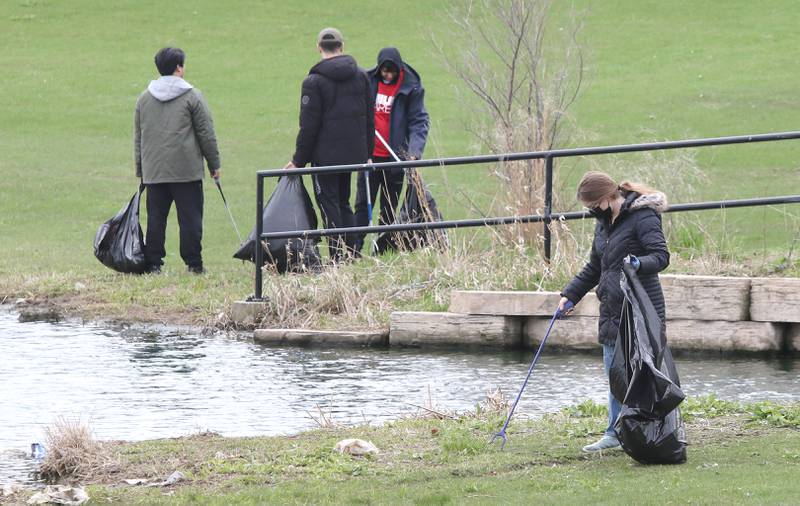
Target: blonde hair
[596, 186]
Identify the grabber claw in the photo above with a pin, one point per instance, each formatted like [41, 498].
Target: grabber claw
[502, 436]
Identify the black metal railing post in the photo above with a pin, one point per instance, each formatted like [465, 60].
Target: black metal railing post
[548, 204]
[259, 251]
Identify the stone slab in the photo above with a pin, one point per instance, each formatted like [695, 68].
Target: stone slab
[724, 335]
[706, 335]
[308, 337]
[516, 303]
[573, 332]
[706, 297]
[417, 328]
[775, 300]
[246, 313]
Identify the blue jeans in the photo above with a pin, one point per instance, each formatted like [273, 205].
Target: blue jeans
[614, 407]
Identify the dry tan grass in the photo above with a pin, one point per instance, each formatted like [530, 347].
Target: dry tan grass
[429, 408]
[364, 293]
[323, 418]
[73, 454]
[496, 402]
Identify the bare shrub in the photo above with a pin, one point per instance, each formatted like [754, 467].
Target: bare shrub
[525, 74]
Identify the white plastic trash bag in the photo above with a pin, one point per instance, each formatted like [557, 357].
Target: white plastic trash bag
[61, 494]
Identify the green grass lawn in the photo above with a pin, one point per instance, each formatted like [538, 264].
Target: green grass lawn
[73, 70]
[736, 455]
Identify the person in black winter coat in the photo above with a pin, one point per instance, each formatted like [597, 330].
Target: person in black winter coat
[403, 122]
[628, 230]
[336, 128]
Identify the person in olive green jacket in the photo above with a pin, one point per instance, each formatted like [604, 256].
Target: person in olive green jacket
[173, 133]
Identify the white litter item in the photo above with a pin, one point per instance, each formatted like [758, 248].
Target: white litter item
[355, 447]
[136, 481]
[172, 480]
[61, 494]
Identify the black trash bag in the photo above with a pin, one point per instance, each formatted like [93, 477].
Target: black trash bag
[412, 211]
[119, 243]
[288, 208]
[644, 379]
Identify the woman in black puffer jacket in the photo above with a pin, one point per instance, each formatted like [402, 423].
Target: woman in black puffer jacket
[628, 229]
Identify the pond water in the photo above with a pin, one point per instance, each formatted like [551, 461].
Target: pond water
[133, 384]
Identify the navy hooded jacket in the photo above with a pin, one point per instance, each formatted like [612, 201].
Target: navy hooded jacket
[408, 130]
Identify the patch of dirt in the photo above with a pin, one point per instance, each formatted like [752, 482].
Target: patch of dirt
[703, 431]
[86, 307]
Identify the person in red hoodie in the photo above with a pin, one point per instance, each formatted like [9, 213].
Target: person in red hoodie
[401, 119]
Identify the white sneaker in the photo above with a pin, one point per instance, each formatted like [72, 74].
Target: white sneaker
[605, 443]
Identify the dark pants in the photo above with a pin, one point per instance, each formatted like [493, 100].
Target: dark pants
[188, 198]
[390, 184]
[332, 192]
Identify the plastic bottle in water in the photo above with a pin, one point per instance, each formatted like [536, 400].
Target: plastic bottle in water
[38, 451]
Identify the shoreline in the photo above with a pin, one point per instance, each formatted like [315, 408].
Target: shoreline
[39, 310]
[730, 443]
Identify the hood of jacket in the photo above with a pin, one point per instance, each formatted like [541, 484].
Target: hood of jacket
[411, 78]
[656, 201]
[166, 88]
[338, 68]
[390, 54]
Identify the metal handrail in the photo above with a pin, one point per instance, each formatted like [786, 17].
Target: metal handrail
[513, 220]
[531, 155]
[547, 217]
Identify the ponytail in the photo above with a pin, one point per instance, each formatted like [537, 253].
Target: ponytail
[595, 186]
[627, 187]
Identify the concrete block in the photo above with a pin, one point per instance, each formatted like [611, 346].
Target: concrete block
[724, 335]
[775, 300]
[517, 303]
[706, 297]
[414, 328]
[706, 335]
[246, 313]
[574, 332]
[308, 337]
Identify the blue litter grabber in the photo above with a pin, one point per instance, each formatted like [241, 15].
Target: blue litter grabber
[502, 434]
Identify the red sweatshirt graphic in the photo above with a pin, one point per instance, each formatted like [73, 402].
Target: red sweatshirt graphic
[383, 113]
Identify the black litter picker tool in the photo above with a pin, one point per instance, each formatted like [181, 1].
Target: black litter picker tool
[230, 215]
